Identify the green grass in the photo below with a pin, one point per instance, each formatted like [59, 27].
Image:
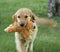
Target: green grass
[48, 38]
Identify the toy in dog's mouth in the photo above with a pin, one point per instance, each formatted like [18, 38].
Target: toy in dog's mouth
[27, 28]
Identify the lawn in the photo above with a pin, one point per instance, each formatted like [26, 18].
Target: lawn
[48, 38]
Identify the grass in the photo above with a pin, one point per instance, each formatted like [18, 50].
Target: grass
[48, 38]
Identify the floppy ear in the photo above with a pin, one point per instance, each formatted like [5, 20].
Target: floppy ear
[33, 17]
[14, 17]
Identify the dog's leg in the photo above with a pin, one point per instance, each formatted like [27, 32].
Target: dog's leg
[34, 36]
[22, 45]
[19, 43]
[27, 45]
[30, 43]
[31, 47]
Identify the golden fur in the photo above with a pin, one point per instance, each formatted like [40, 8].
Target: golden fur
[25, 15]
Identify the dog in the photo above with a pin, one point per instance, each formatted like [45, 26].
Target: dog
[22, 17]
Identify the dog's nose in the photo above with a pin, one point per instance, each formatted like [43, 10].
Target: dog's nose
[22, 24]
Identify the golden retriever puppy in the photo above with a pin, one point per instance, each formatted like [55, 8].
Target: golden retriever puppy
[22, 17]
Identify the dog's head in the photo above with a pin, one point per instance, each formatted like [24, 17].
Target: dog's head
[23, 16]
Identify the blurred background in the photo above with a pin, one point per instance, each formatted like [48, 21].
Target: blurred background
[48, 38]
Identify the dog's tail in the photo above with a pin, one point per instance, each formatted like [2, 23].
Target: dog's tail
[44, 21]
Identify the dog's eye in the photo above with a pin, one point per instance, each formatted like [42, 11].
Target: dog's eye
[18, 16]
[26, 16]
